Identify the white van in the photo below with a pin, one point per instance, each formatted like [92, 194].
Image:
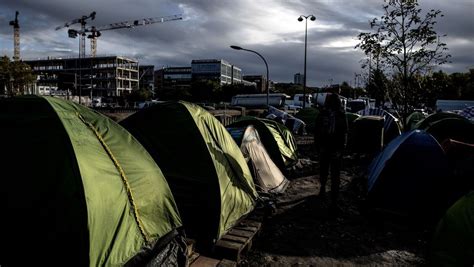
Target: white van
[297, 101]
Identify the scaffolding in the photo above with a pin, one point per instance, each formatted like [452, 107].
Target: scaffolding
[92, 76]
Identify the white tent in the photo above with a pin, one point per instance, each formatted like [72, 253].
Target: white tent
[267, 175]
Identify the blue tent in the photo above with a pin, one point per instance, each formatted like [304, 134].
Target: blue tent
[410, 177]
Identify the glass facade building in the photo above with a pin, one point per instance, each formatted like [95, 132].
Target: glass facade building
[217, 70]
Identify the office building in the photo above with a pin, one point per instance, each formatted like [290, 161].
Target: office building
[176, 77]
[147, 77]
[298, 79]
[217, 70]
[259, 80]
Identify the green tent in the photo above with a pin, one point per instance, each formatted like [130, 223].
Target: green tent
[453, 241]
[276, 138]
[432, 118]
[413, 119]
[205, 168]
[459, 129]
[351, 117]
[308, 115]
[78, 190]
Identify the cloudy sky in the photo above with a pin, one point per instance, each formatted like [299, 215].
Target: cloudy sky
[209, 27]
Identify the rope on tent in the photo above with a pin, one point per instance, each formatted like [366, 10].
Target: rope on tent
[122, 175]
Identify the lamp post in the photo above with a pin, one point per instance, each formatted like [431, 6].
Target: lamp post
[313, 18]
[266, 65]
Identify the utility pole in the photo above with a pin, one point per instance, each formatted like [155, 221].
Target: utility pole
[312, 18]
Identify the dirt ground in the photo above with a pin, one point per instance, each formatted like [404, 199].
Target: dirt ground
[303, 230]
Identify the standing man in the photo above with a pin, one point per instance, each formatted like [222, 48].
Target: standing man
[330, 139]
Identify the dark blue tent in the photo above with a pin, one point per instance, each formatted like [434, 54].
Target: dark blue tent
[410, 177]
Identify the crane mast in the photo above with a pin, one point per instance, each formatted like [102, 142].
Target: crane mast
[16, 37]
[73, 33]
[93, 39]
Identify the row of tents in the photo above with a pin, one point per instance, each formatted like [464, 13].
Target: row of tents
[425, 175]
[79, 189]
[422, 173]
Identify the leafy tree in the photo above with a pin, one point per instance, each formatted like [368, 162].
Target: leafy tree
[405, 40]
[15, 76]
[230, 90]
[469, 89]
[437, 86]
[347, 90]
[378, 87]
[178, 93]
[458, 84]
[139, 95]
[205, 90]
[440, 85]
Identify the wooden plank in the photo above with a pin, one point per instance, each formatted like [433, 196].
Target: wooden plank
[228, 250]
[246, 228]
[229, 245]
[227, 263]
[234, 238]
[247, 247]
[243, 233]
[251, 223]
[193, 257]
[238, 240]
[205, 262]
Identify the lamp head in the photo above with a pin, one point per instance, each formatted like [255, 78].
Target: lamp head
[313, 18]
[236, 47]
[300, 18]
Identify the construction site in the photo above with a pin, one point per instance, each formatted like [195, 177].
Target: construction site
[90, 76]
[85, 77]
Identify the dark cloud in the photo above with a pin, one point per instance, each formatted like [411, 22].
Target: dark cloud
[210, 26]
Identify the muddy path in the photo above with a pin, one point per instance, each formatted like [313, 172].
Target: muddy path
[304, 231]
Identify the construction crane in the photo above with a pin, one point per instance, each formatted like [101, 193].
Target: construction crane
[95, 32]
[73, 33]
[16, 37]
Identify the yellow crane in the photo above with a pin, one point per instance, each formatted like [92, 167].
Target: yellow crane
[95, 32]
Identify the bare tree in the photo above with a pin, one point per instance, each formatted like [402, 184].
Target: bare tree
[405, 40]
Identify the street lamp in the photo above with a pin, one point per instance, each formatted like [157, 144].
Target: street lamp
[313, 18]
[266, 65]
